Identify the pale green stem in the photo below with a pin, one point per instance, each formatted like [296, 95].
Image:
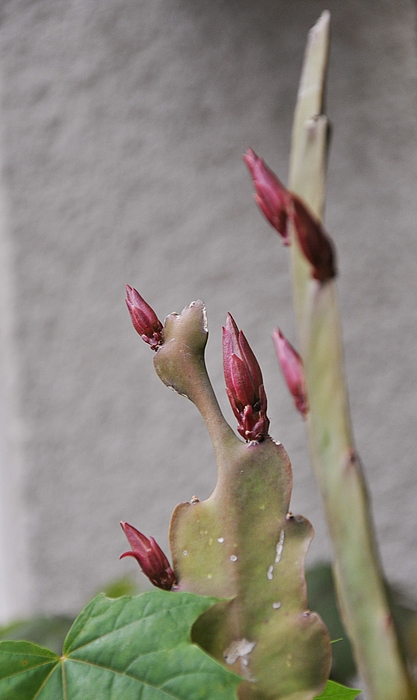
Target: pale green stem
[180, 365]
[359, 580]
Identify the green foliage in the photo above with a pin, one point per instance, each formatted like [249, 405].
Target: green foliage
[334, 691]
[322, 598]
[119, 649]
[120, 587]
[115, 648]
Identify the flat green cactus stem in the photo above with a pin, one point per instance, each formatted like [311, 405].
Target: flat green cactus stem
[243, 544]
[361, 591]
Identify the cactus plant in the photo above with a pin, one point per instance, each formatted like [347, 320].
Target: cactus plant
[242, 543]
[242, 548]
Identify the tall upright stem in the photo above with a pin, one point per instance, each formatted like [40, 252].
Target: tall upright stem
[358, 573]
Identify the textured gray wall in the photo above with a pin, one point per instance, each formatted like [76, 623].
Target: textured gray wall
[122, 125]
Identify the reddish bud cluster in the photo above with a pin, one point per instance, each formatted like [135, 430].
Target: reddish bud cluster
[244, 384]
[144, 319]
[280, 206]
[292, 369]
[150, 558]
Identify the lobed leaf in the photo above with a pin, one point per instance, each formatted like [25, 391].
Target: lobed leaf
[122, 649]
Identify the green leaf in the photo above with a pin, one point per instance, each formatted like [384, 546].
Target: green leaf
[122, 649]
[334, 691]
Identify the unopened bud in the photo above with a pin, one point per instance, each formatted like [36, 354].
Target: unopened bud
[292, 369]
[314, 242]
[271, 196]
[150, 558]
[244, 384]
[144, 319]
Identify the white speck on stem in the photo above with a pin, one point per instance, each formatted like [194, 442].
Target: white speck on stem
[185, 552]
[276, 606]
[270, 573]
[220, 540]
[233, 557]
[205, 324]
[239, 648]
[280, 547]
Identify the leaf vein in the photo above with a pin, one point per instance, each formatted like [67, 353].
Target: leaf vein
[25, 670]
[41, 687]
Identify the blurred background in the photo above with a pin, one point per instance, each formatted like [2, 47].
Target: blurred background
[122, 126]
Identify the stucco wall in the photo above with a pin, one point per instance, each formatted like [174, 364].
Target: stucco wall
[122, 126]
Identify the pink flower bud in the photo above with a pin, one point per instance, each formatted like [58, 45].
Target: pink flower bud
[144, 319]
[292, 369]
[150, 558]
[314, 242]
[244, 384]
[271, 196]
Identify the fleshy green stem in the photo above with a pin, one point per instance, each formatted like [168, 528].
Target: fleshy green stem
[242, 543]
[361, 591]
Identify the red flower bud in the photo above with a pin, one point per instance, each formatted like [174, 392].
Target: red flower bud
[150, 558]
[144, 319]
[314, 242]
[271, 196]
[292, 369]
[244, 384]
